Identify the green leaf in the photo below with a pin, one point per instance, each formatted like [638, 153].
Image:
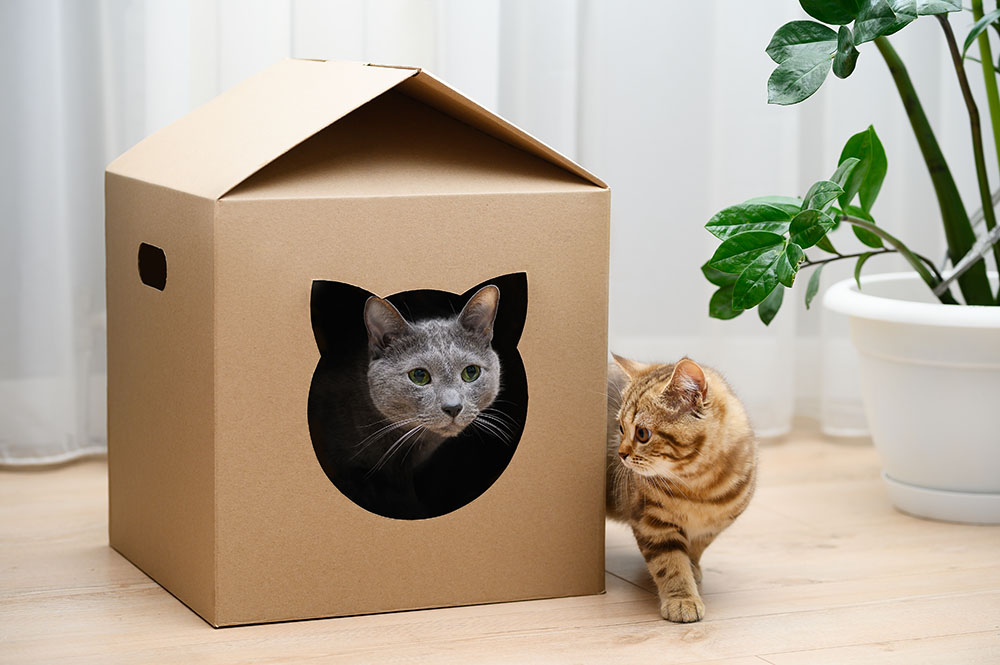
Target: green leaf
[798, 77]
[793, 203]
[772, 303]
[978, 27]
[798, 37]
[739, 251]
[874, 18]
[745, 217]
[758, 279]
[847, 55]
[721, 304]
[821, 195]
[788, 267]
[827, 246]
[905, 11]
[717, 277]
[808, 227]
[834, 12]
[931, 7]
[866, 178]
[844, 171]
[864, 235]
[812, 288]
[857, 267]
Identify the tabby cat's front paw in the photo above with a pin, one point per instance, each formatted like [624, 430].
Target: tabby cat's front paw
[682, 610]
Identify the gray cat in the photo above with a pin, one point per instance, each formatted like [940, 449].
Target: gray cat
[431, 379]
[414, 417]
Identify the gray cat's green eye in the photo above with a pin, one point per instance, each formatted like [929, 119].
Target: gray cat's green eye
[471, 373]
[419, 376]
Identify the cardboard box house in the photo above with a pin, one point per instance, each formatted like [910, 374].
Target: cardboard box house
[356, 352]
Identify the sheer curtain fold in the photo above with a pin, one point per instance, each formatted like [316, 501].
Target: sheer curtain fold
[665, 101]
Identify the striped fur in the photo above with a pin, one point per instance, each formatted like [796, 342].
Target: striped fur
[694, 475]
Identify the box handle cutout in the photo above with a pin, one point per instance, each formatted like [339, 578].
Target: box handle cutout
[152, 266]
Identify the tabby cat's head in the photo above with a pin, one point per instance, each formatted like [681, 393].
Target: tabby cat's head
[664, 415]
[438, 373]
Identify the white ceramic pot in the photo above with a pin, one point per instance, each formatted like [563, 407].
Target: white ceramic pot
[930, 380]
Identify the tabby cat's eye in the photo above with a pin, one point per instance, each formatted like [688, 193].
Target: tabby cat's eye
[641, 434]
[419, 376]
[621, 428]
[471, 373]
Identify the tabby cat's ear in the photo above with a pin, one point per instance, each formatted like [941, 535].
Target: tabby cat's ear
[687, 383]
[480, 312]
[385, 324]
[630, 367]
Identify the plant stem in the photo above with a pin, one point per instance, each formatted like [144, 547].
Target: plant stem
[916, 262]
[930, 264]
[985, 193]
[958, 231]
[989, 75]
[808, 263]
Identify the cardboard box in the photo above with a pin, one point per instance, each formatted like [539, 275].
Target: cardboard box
[234, 232]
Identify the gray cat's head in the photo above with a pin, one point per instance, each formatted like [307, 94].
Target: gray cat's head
[438, 373]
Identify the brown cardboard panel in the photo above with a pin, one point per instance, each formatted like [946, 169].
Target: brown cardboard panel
[160, 389]
[216, 491]
[430, 90]
[218, 145]
[288, 544]
[396, 146]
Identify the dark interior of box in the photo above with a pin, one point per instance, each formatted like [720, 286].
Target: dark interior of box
[342, 416]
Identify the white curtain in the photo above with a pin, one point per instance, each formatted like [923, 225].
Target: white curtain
[664, 100]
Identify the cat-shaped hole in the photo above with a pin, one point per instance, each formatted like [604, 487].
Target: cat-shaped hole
[419, 398]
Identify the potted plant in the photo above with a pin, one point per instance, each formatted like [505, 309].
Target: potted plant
[929, 356]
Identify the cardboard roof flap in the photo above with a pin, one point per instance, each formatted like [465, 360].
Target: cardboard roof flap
[219, 145]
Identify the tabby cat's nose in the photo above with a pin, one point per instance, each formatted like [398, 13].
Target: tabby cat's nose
[622, 454]
[452, 409]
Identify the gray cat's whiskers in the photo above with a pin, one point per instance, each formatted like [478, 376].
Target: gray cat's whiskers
[375, 424]
[372, 438]
[413, 444]
[392, 449]
[494, 431]
[497, 417]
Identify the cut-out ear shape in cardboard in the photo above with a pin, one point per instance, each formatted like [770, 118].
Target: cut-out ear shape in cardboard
[410, 416]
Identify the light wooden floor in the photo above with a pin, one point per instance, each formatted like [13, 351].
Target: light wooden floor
[820, 569]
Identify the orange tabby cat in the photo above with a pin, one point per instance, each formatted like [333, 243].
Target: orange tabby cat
[682, 462]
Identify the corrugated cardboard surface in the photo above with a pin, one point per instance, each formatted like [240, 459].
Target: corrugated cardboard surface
[289, 544]
[216, 146]
[161, 466]
[216, 491]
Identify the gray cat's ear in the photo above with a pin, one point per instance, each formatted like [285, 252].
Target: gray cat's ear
[688, 382]
[384, 323]
[630, 367]
[480, 312]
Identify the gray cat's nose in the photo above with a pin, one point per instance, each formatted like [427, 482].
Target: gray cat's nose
[452, 409]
